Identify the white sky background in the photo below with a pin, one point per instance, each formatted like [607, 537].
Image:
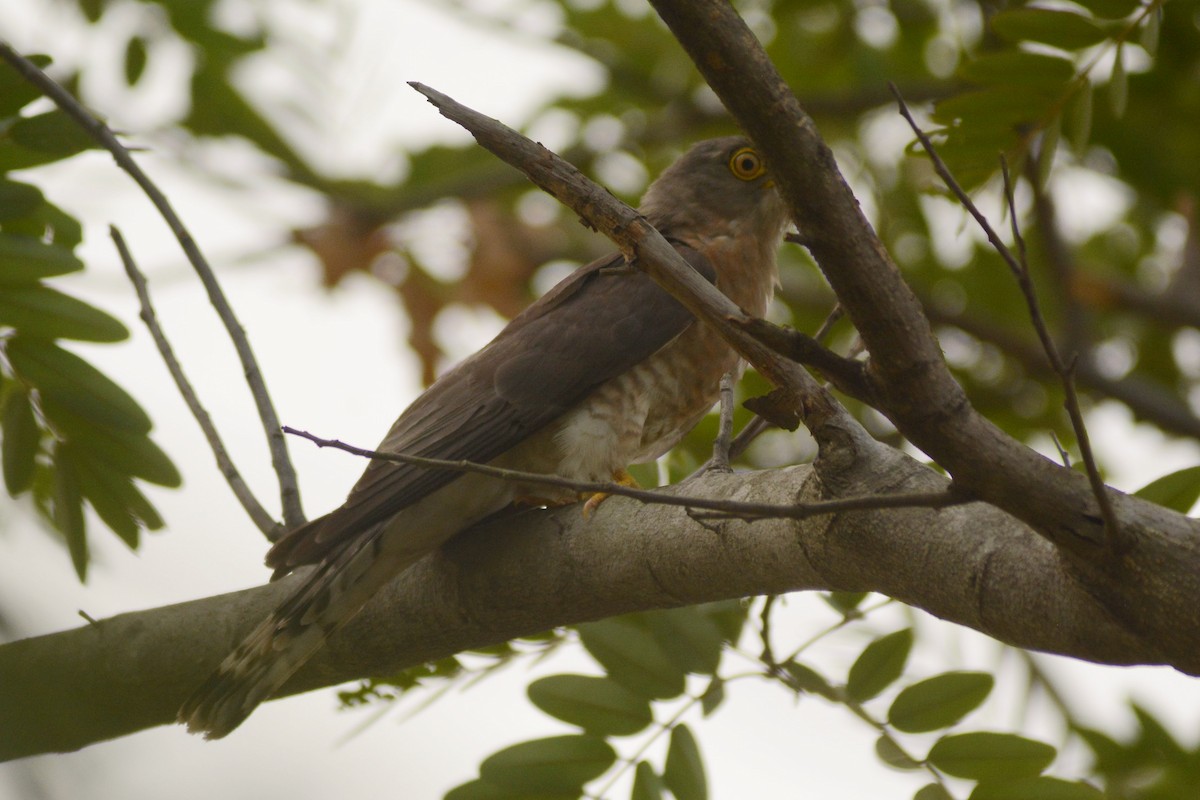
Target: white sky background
[337, 365]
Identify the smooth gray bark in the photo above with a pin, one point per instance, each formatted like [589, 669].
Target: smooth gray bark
[971, 564]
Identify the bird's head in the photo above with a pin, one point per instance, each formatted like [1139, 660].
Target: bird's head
[719, 187]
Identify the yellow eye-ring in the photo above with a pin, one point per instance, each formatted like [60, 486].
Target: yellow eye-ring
[746, 165]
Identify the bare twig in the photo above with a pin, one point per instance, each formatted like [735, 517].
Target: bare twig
[759, 425]
[1063, 455]
[1074, 336]
[726, 508]
[754, 428]
[270, 528]
[1065, 371]
[1019, 267]
[823, 332]
[289, 491]
[724, 440]
[768, 652]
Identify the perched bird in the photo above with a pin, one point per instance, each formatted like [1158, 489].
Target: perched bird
[605, 370]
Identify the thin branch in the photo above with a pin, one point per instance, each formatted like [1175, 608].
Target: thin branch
[1066, 372]
[1073, 331]
[270, 528]
[724, 440]
[726, 508]
[846, 374]
[768, 652]
[759, 425]
[1020, 270]
[823, 332]
[754, 428]
[289, 490]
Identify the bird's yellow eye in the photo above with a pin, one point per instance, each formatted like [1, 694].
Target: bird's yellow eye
[746, 165]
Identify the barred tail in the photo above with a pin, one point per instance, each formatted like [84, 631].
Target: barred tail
[262, 663]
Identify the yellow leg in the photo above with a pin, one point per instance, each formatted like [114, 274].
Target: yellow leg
[593, 502]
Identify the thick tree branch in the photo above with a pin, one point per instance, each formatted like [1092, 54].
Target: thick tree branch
[1153, 589]
[970, 564]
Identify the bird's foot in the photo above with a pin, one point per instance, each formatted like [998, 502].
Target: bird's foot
[620, 477]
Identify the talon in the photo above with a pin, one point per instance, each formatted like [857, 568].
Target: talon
[621, 477]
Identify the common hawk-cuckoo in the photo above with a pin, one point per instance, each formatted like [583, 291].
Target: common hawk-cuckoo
[605, 370]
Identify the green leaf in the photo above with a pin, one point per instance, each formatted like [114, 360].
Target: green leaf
[1042, 787]
[647, 785]
[556, 765]
[633, 658]
[16, 200]
[1150, 29]
[480, 789]
[24, 259]
[39, 311]
[940, 701]
[1177, 491]
[986, 756]
[1047, 150]
[1018, 68]
[728, 615]
[1110, 755]
[992, 112]
[845, 603]
[684, 772]
[807, 679]
[1156, 738]
[135, 59]
[61, 227]
[15, 91]
[20, 444]
[1078, 117]
[598, 705]
[689, 638]
[127, 452]
[890, 754]
[881, 663]
[111, 495]
[52, 132]
[68, 509]
[67, 381]
[932, 791]
[1118, 85]
[1062, 29]
[713, 696]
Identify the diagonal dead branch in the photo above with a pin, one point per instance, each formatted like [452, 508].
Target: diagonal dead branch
[635, 237]
[846, 374]
[270, 528]
[289, 489]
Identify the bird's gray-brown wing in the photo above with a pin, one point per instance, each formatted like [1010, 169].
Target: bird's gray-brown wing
[597, 323]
